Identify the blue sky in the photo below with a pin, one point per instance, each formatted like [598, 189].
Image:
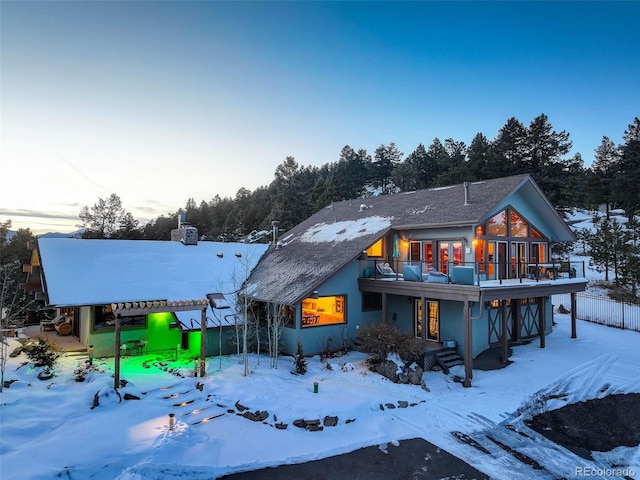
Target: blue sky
[162, 101]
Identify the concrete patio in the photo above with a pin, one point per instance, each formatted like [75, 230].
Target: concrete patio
[64, 343]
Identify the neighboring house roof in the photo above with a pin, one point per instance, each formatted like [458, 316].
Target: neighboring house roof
[312, 251]
[98, 272]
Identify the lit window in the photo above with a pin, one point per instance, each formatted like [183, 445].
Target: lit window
[518, 225]
[497, 225]
[375, 250]
[323, 311]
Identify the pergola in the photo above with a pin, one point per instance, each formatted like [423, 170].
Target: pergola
[127, 309]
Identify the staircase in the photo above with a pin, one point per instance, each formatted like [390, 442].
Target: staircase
[447, 358]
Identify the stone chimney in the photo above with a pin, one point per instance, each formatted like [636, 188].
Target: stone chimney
[185, 233]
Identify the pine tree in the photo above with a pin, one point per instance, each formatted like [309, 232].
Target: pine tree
[607, 246]
[386, 158]
[509, 150]
[629, 270]
[299, 361]
[478, 157]
[604, 166]
[412, 174]
[453, 166]
[599, 242]
[545, 149]
[628, 177]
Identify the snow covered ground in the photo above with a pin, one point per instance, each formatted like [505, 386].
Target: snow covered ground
[49, 429]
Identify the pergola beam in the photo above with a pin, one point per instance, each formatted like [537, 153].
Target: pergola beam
[127, 309]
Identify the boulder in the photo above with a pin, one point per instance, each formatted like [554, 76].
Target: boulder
[388, 369]
[415, 378]
[240, 407]
[330, 421]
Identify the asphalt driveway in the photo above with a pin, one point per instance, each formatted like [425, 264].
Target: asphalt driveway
[412, 459]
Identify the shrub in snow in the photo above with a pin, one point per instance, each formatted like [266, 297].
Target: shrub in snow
[299, 361]
[380, 340]
[42, 353]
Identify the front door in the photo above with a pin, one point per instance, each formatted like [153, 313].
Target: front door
[433, 320]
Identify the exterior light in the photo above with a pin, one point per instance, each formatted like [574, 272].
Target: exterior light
[90, 354]
[474, 242]
[172, 420]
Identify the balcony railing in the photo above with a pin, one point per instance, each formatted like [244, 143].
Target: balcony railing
[442, 272]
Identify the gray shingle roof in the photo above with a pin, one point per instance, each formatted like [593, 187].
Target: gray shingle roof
[292, 271]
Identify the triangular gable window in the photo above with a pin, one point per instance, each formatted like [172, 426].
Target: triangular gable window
[517, 226]
[375, 250]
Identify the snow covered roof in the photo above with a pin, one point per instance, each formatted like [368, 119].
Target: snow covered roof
[318, 247]
[98, 272]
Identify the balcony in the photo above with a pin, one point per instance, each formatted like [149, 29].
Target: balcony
[470, 281]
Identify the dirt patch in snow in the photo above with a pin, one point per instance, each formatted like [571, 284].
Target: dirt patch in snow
[599, 425]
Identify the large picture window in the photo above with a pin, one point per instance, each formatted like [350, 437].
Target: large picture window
[324, 311]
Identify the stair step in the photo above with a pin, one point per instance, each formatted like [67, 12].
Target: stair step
[448, 355]
[453, 362]
[447, 359]
[76, 353]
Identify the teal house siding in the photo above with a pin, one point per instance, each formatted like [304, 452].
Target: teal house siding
[316, 339]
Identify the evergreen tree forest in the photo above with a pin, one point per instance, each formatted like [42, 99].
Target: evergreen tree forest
[298, 191]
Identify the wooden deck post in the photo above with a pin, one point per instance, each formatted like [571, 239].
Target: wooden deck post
[517, 319]
[468, 350]
[574, 306]
[542, 307]
[203, 341]
[505, 331]
[116, 367]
